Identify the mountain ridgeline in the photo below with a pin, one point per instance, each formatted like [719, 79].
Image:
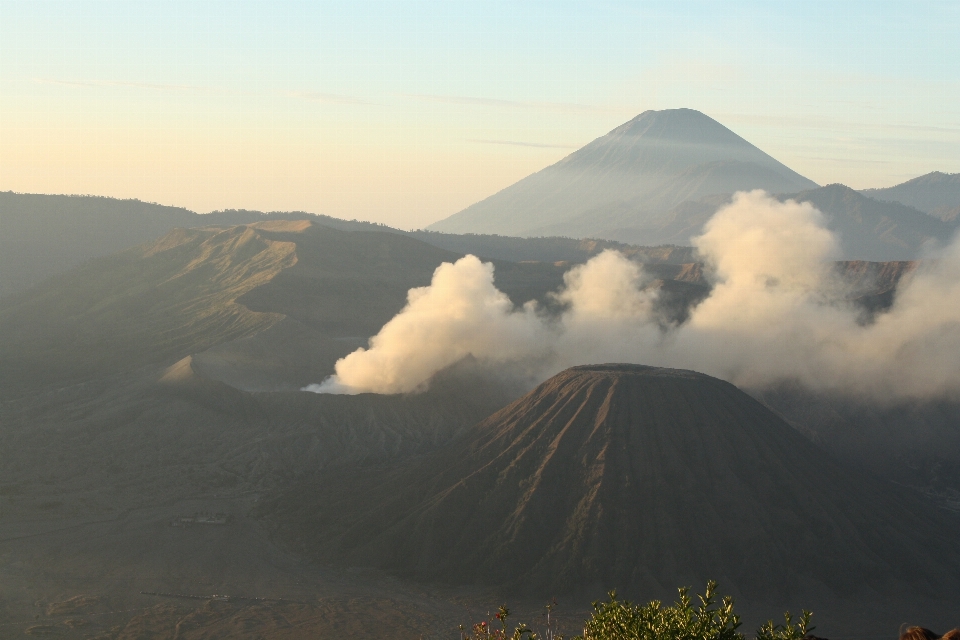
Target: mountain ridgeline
[936, 193]
[43, 235]
[645, 189]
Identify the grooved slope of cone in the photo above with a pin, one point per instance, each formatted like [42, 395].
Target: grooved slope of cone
[636, 477]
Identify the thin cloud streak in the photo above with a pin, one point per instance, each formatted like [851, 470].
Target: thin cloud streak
[816, 122]
[839, 160]
[101, 84]
[515, 104]
[518, 143]
[329, 98]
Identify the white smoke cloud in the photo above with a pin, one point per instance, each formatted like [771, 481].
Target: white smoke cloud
[609, 316]
[461, 313]
[774, 314]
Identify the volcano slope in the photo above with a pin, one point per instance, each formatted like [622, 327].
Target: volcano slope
[636, 478]
[645, 166]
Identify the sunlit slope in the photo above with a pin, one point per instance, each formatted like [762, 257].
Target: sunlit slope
[154, 302]
[321, 291]
[347, 283]
[192, 290]
[631, 477]
[645, 166]
[345, 286]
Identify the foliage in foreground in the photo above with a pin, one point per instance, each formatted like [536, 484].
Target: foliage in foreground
[622, 620]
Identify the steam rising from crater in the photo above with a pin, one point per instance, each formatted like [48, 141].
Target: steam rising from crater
[461, 313]
[773, 315]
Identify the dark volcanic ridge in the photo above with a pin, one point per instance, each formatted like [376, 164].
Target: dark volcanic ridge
[635, 478]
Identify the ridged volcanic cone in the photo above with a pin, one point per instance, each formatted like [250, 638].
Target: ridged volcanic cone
[637, 478]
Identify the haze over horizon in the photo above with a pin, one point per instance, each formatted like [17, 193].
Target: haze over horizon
[406, 113]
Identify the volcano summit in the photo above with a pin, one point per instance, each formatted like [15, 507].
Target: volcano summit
[631, 177]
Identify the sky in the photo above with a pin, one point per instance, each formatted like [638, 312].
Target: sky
[406, 112]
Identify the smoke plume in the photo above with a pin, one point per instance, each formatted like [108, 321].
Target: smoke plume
[461, 313]
[776, 312]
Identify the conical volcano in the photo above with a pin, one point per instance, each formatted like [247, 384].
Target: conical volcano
[631, 178]
[636, 478]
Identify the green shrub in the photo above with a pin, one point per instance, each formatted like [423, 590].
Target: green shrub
[485, 631]
[622, 620]
[786, 631]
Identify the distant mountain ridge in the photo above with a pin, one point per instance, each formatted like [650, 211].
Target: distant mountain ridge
[646, 166]
[45, 235]
[870, 229]
[42, 235]
[935, 193]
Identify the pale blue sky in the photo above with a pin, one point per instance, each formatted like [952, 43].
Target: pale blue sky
[405, 112]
